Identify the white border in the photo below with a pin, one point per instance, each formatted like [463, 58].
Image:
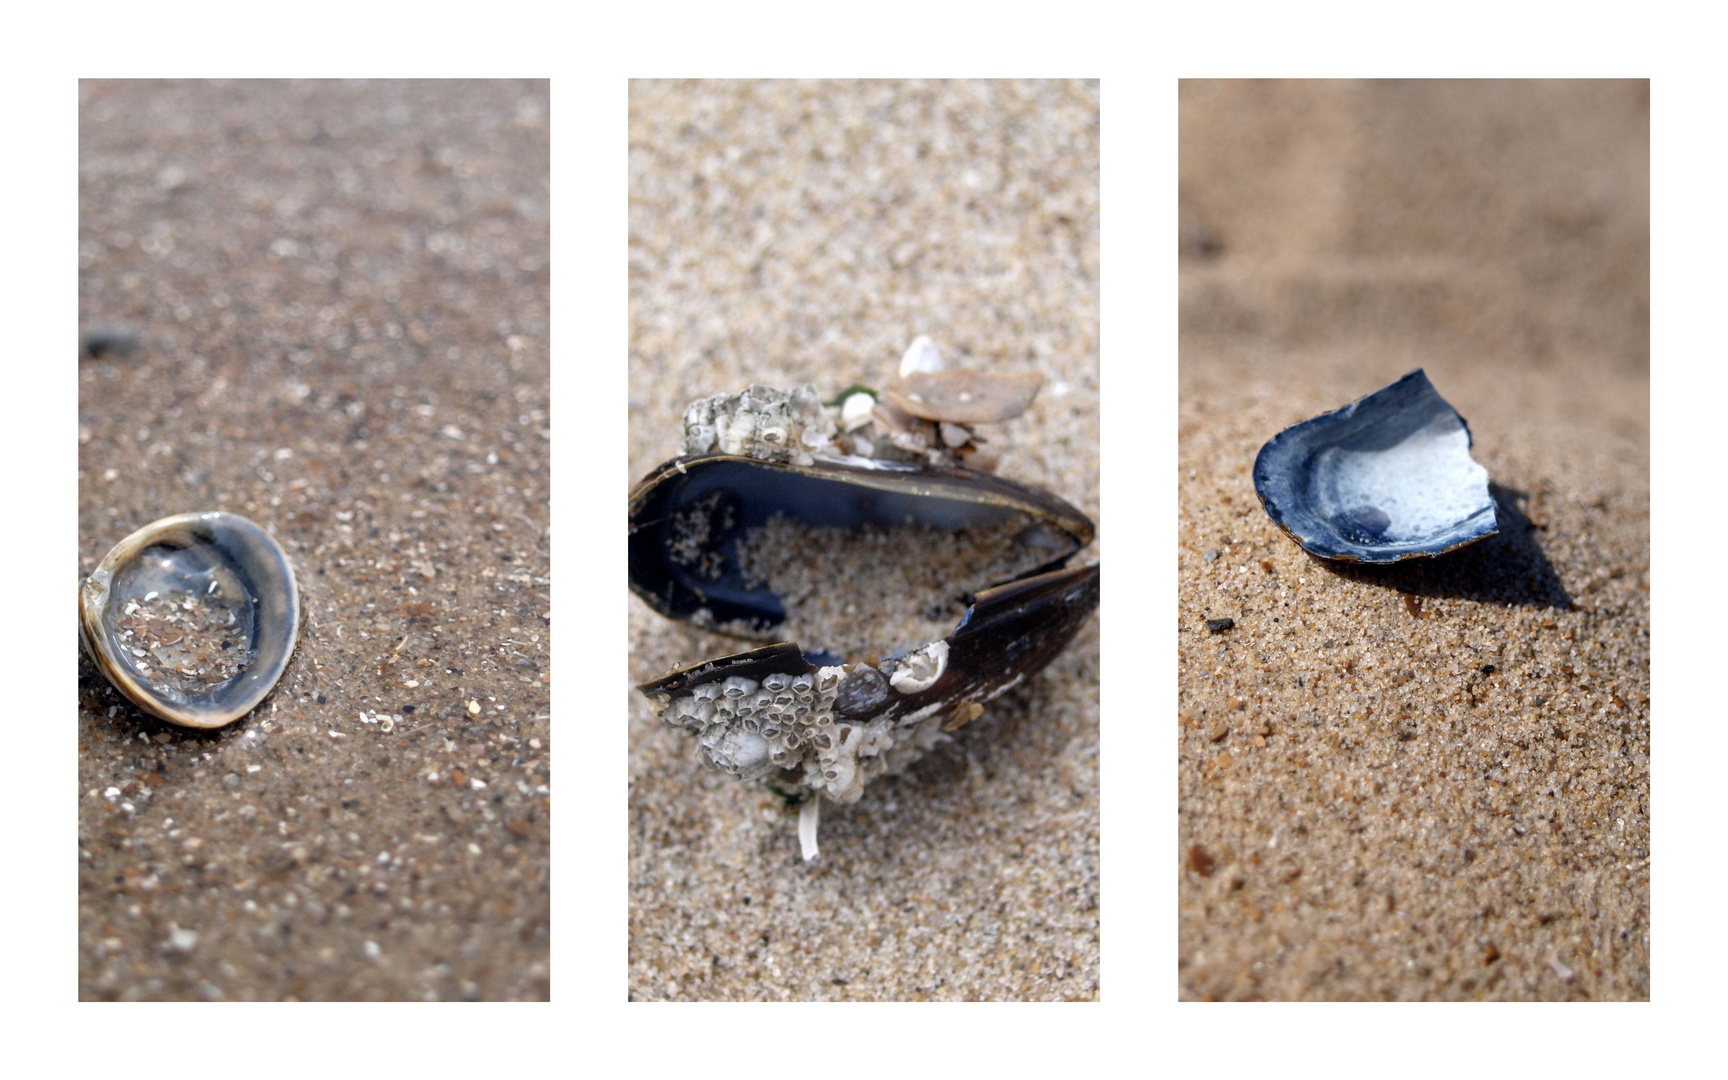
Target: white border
[1137, 52]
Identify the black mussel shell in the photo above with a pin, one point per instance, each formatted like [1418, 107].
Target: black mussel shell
[687, 517]
[773, 714]
[1387, 477]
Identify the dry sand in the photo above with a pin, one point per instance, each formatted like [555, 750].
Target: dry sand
[340, 291]
[787, 232]
[1427, 781]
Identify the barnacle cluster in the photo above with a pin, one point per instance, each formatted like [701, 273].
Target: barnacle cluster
[762, 422]
[821, 732]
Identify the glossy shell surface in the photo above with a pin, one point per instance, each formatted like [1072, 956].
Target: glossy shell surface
[1386, 478]
[683, 578]
[192, 617]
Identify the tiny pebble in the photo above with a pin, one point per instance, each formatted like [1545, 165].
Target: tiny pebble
[1218, 626]
[1201, 861]
[1211, 556]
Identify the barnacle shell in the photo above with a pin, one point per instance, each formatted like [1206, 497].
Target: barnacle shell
[1386, 478]
[836, 746]
[192, 617]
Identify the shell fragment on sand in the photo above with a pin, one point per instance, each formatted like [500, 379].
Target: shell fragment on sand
[1386, 478]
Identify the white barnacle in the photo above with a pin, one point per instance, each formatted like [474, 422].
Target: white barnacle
[855, 411]
[737, 686]
[920, 669]
[741, 753]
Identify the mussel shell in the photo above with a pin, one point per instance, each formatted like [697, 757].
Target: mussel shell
[748, 491]
[1386, 478]
[1008, 635]
[202, 554]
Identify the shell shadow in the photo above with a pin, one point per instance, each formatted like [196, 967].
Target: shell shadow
[1508, 568]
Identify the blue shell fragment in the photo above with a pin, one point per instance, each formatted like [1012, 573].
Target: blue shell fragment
[1387, 477]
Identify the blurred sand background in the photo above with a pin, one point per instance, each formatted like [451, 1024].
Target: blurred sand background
[783, 232]
[1428, 781]
[339, 294]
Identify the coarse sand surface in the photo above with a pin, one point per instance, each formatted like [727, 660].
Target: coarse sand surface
[1430, 780]
[787, 232]
[336, 298]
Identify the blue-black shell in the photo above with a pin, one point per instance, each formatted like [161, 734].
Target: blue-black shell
[1387, 477]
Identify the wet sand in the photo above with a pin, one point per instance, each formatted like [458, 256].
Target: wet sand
[1426, 781]
[338, 292]
[787, 232]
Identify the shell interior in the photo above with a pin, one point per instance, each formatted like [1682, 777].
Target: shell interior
[192, 617]
[693, 521]
[1385, 478]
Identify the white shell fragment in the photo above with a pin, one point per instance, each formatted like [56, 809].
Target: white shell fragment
[921, 355]
[809, 816]
[1386, 478]
[919, 670]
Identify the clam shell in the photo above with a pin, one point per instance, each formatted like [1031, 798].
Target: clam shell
[1386, 478]
[192, 617]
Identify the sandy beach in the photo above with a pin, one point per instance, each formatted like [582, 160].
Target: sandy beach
[323, 306]
[1428, 781]
[806, 232]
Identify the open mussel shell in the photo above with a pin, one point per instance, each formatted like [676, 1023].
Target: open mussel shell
[1386, 478]
[192, 617]
[689, 515]
[809, 728]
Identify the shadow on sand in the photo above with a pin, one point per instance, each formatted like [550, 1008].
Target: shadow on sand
[1506, 569]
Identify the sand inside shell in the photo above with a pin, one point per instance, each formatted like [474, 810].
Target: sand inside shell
[183, 640]
[882, 589]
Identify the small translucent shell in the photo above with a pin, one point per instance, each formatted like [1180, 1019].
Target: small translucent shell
[1386, 478]
[965, 396]
[192, 617]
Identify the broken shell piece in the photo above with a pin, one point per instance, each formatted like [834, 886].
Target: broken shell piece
[953, 435]
[192, 617]
[966, 396]
[922, 355]
[919, 670]
[1385, 478]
